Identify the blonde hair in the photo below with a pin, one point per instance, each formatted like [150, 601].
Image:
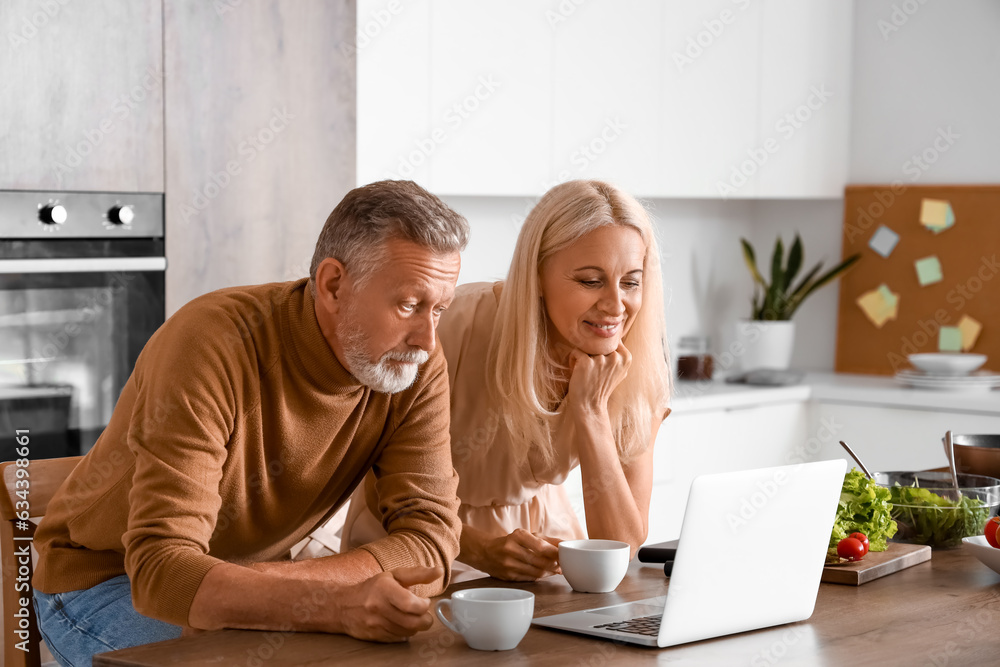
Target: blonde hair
[524, 373]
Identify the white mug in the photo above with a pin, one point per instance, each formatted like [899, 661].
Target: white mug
[490, 619]
[594, 566]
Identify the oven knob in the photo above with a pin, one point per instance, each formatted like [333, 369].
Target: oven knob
[121, 215]
[52, 214]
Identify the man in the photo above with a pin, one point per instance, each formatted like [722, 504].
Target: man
[249, 418]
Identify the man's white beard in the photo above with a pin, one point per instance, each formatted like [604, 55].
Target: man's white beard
[380, 376]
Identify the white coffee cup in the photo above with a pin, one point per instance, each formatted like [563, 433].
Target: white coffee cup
[593, 566]
[490, 619]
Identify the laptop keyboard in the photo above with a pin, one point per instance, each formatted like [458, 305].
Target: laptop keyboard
[643, 625]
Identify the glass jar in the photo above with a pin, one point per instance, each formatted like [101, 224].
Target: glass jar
[693, 360]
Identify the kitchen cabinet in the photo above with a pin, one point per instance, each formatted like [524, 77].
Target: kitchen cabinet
[711, 441]
[490, 98]
[727, 98]
[805, 81]
[711, 89]
[395, 132]
[81, 106]
[606, 112]
[892, 437]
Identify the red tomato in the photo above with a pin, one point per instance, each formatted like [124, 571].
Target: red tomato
[861, 537]
[851, 549]
[990, 531]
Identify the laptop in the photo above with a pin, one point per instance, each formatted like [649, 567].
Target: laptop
[751, 554]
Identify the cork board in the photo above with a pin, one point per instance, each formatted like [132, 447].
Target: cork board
[970, 284]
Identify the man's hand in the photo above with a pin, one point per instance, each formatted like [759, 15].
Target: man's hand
[383, 609]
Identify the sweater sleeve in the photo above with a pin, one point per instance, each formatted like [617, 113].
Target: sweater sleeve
[182, 419]
[416, 484]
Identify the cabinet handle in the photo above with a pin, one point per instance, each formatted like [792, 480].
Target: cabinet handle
[82, 265]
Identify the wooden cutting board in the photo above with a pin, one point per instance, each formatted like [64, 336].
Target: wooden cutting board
[877, 564]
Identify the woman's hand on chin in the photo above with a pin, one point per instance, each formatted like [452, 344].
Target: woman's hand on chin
[594, 378]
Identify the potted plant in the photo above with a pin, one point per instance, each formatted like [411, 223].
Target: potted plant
[769, 335]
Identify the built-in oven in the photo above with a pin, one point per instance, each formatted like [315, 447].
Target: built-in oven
[81, 291]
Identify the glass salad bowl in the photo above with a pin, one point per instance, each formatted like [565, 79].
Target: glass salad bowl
[928, 510]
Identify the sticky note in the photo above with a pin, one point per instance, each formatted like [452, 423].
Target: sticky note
[950, 339]
[936, 215]
[879, 305]
[970, 329]
[890, 299]
[929, 270]
[883, 241]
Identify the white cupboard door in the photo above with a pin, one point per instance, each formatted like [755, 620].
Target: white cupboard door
[710, 98]
[890, 438]
[606, 116]
[714, 441]
[490, 88]
[804, 98]
[395, 133]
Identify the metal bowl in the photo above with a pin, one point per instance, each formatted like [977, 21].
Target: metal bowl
[941, 517]
[977, 454]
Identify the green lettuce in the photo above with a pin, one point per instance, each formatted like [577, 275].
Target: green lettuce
[927, 518]
[864, 508]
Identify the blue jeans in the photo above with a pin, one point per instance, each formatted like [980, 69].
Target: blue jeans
[78, 624]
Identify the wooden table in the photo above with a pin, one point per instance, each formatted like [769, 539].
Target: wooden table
[942, 612]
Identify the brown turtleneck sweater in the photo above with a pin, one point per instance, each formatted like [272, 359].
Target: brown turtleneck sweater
[238, 433]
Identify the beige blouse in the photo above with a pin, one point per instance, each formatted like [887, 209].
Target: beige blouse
[497, 495]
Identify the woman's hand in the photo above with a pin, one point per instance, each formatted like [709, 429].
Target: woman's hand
[593, 379]
[520, 556]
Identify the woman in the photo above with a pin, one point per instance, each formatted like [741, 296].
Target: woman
[564, 364]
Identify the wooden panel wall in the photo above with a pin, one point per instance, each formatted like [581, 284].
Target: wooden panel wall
[968, 253]
[260, 137]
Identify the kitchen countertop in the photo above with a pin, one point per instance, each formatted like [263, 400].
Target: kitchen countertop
[866, 390]
[940, 612]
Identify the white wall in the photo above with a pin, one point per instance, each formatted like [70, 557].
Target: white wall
[706, 284]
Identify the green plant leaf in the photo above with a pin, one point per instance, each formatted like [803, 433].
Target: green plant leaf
[774, 304]
[777, 259]
[751, 261]
[823, 280]
[795, 293]
[794, 262]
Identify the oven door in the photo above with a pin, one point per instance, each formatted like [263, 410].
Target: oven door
[74, 315]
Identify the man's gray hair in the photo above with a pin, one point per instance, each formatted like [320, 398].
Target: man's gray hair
[357, 229]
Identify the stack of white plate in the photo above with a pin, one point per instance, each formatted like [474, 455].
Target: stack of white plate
[948, 372]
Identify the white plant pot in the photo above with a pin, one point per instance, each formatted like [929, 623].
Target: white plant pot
[765, 344]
